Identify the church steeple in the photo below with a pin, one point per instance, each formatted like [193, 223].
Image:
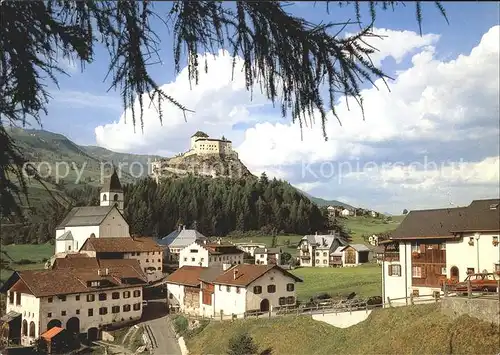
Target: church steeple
[112, 192]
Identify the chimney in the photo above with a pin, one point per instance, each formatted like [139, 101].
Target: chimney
[235, 274]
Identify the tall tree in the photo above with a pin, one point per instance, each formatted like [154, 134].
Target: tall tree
[290, 57]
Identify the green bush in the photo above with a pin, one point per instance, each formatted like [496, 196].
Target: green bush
[25, 262]
[242, 344]
[181, 324]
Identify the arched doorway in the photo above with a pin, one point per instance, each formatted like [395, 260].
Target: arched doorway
[25, 327]
[92, 334]
[54, 323]
[73, 325]
[32, 329]
[264, 305]
[454, 273]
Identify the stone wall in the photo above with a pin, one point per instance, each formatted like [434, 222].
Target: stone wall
[486, 309]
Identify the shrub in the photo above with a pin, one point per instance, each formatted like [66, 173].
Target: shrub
[25, 262]
[242, 344]
[181, 324]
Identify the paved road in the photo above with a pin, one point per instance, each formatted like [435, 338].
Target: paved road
[162, 330]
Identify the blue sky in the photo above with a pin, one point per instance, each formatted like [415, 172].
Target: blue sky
[440, 109]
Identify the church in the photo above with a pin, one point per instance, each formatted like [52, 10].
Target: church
[104, 221]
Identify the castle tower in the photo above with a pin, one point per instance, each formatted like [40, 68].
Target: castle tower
[112, 192]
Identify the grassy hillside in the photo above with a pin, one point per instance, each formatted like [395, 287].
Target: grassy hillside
[12, 257]
[418, 329]
[365, 280]
[365, 225]
[324, 203]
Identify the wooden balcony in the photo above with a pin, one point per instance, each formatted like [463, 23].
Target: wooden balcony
[429, 256]
[391, 256]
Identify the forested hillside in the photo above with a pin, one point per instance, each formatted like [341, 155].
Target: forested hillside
[217, 207]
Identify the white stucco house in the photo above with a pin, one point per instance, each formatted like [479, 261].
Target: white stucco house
[213, 292]
[249, 247]
[178, 240]
[101, 221]
[83, 300]
[269, 256]
[319, 250]
[432, 246]
[202, 253]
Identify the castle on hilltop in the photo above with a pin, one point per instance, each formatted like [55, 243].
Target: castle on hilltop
[202, 144]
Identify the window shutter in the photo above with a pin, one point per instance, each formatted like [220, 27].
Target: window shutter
[399, 270]
[423, 272]
[422, 248]
[390, 270]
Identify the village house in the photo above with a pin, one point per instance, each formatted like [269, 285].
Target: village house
[269, 256]
[233, 291]
[102, 221]
[318, 250]
[352, 254]
[210, 254]
[143, 249]
[180, 238]
[85, 299]
[249, 247]
[431, 246]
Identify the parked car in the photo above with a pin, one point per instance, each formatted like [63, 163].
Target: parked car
[485, 282]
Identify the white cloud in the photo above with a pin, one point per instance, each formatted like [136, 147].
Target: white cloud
[85, 99]
[396, 44]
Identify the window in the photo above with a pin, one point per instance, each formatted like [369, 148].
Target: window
[103, 311]
[63, 313]
[90, 298]
[126, 308]
[262, 256]
[104, 198]
[290, 287]
[395, 270]
[147, 260]
[11, 297]
[90, 312]
[237, 290]
[271, 288]
[317, 261]
[115, 295]
[290, 300]
[228, 288]
[69, 247]
[193, 259]
[470, 270]
[282, 301]
[159, 260]
[257, 290]
[137, 306]
[193, 251]
[497, 268]
[317, 253]
[49, 314]
[416, 271]
[115, 309]
[220, 287]
[170, 296]
[77, 297]
[62, 298]
[495, 240]
[102, 297]
[325, 253]
[77, 311]
[186, 259]
[137, 293]
[325, 261]
[126, 294]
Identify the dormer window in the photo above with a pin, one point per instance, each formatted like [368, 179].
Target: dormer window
[104, 197]
[494, 206]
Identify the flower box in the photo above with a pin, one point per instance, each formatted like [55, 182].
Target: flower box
[415, 254]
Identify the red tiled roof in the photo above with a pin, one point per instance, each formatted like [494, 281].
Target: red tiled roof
[187, 275]
[247, 273]
[121, 245]
[21, 287]
[52, 332]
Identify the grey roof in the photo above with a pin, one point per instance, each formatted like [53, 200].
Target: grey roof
[211, 273]
[324, 241]
[338, 251]
[112, 184]
[181, 238]
[360, 247]
[10, 316]
[85, 216]
[267, 250]
[66, 236]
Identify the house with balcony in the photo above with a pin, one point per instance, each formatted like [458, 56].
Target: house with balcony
[321, 250]
[83, 299]
[177, 240]
[431, 246]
